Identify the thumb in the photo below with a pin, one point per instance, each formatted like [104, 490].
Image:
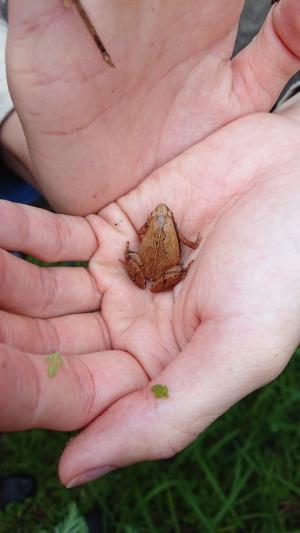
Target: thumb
[209, 376]
[264, 67]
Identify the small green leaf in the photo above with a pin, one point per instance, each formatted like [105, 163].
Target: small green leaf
[52, 370]
[59, 360]
[55, 360]
[160, 391]
[53, 356]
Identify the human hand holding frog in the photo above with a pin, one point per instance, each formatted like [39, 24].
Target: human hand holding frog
[94, 132]
[228, 328]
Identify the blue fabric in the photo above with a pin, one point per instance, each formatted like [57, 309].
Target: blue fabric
[15, 189]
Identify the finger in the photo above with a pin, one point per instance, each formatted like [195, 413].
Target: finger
[45, 235]
[263, 68]
[45, 292]
[210, 375]
[81, 388]
[71, 334]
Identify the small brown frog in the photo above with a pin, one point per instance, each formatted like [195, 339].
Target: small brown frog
[159, 256]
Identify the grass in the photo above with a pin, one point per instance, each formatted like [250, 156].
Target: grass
[241, 475]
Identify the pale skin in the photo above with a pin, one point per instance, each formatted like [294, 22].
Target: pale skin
[169, 55]
[52, 155]
[227, 329]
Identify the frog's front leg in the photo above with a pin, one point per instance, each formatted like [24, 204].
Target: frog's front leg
[170, 278]
[134, 267]
[187, 242]
[141, 232]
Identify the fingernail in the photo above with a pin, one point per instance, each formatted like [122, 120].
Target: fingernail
[89, 475]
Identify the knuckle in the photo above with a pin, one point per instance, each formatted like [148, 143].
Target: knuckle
[62, 235]
[85, 383]
[49, 288]
[47, 335]
[3, 330]
[4, 271]
[176, 440]
[22, 223]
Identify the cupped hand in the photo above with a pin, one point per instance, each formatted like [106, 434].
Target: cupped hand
[95, 132]
[228, 328]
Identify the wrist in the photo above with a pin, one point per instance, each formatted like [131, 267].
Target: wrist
[13, 146]
[14, 149]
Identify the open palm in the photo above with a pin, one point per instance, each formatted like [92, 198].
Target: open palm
[99, 130]
[227, 329]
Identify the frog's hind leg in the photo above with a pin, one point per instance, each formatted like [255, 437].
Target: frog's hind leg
[171, 277]
[166, 282]
[134, 267]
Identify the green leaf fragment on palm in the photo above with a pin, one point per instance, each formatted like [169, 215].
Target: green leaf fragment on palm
[54, 361]
[160, 391]
[52, 370]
